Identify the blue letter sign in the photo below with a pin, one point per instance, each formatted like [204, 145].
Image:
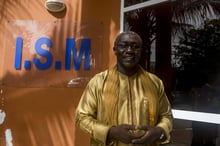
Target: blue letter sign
[71, 52]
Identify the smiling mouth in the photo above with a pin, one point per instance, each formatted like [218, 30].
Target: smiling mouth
[129, 58]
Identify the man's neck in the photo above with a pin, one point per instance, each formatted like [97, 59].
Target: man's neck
[128, 71]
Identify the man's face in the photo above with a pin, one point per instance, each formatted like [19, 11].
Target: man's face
[128, 51]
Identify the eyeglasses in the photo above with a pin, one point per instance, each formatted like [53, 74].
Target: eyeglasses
[126, 46]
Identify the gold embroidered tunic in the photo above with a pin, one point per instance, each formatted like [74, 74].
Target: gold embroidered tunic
[133, 106]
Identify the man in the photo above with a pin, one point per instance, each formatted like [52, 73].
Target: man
[125, 105]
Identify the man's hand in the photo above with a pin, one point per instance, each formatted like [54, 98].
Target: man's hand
[123, 133]
[152, 134]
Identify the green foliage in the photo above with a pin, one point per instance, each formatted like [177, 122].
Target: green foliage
[198, 52]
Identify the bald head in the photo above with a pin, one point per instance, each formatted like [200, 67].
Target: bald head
[129, 33]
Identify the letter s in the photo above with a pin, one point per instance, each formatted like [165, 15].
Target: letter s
[44, 53]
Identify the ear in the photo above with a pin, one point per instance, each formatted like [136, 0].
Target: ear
[114, 49]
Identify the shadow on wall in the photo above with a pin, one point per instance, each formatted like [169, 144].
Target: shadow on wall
[39, 116]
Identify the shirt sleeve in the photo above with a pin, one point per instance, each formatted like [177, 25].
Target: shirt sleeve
[165, 120]
[86, 112]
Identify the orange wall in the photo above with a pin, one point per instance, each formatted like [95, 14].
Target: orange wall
[45, 116]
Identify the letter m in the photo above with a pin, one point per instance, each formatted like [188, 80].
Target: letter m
[78, 56]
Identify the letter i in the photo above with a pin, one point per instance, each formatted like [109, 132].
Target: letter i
[18, 53]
